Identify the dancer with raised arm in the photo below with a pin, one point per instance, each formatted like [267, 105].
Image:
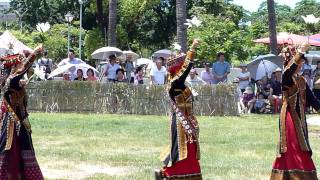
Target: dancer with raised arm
[181, 158]
[17, 156]
[294, 159]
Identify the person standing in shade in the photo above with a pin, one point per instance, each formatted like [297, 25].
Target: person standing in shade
[275, 96]
[220, 69]
[45, 64]
[129, 68]
[158, 73]
[206, 74]
[244, 78]
[110, 69]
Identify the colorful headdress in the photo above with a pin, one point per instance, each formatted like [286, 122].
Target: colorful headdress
[174, 65]
[11, 60]
[287, 54]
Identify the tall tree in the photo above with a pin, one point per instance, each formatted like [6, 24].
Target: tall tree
[181, 13]
[101, 18]
[272, 27]
[112, 26]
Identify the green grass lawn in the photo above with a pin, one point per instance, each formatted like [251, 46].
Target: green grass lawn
[79, 146]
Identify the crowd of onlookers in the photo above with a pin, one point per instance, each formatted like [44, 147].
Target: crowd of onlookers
[254, 96]
[260, 96]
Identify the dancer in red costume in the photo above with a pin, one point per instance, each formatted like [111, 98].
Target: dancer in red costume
[17, 156]
[294, 160]
[181, 158]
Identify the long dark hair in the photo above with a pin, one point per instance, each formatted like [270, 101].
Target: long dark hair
[89, 71]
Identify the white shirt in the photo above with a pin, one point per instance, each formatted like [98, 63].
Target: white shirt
[194, 82]
[206, 76]
[158, 75]
[111, 70]
[72, 70]
[244, 84]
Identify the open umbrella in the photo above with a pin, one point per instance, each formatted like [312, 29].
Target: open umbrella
[284, 37]
[67, 67]
[270, 57]
[105, 52]
[259, 69]
[132, 54]
[39, 72]
[315, 37]
[264, 68]
[143, 61]
[165, 53]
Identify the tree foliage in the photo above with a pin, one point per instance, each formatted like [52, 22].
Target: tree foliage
[145, 26]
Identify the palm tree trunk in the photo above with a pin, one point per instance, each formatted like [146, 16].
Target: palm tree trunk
[112, 37]
[272, 27]
[181, 11]
[101, 18]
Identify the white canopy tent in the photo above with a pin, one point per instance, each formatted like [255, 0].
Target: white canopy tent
[7, 40]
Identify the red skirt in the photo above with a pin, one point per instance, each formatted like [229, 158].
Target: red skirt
[16, 164]
[294, 163]
[185, 168]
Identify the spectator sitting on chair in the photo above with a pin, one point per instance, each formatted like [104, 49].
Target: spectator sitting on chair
[193, 80]
[244, 77]
[275, 96]
[120, 76]
[206, 74]
[248, 100]
[260, 104]
[80, 76]
[220, 69]
[90, 74]
[264, 87]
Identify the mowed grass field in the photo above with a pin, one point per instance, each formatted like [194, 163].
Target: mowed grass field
[82, 146]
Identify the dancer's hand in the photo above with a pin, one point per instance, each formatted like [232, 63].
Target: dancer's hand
[195, 44]
[22, 83]
[39, 49]
[304, 48]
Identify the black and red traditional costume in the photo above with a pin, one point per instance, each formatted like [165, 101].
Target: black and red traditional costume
[181, 157]
[294, 158]
[17, 156]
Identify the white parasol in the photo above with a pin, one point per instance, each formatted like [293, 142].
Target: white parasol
[132, 54]
[144, 61]
[67, 67]
[105, 52]
[165, 53]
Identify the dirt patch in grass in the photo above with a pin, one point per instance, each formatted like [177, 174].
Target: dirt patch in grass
[83, 171]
